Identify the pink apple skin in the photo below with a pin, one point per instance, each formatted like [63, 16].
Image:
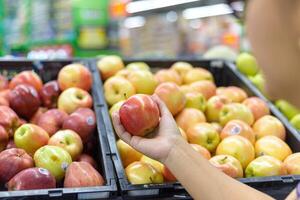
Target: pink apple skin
[52, 120]
[4, 102]
[30, 137]
[205, 87]
[4, 137]
[82, 174]
[12, 161]
[82, 121]
[3, 83]
[235, 94]
[11, 144]
[23, 97]
[31, 179]
[87, 158]
[35, 118]
[9, 119]
[49, 94]
[258, 107]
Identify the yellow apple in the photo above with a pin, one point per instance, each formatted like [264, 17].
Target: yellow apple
[195, 100]
[214, 106]
[207, 88]
[138, 66]
[115, 107]
[189, 117]
[154, 163]
[197, 74]
[183, 134]
[272, 146]
[117, 89]
[233, 111]
[168, 75]
[143, 81]
[186, 89]
[127, 153]
[233, 93]
[228, 164]
[292, 164]
[201, 150]
[238, 147]
[182, 68]
[109, 66]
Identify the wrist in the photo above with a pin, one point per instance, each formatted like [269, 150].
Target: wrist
[176, 143]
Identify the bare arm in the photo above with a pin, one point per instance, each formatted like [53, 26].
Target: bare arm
[200, 179]
[273, 28]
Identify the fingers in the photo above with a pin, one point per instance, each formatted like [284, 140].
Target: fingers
[164, 111]
[120, 130]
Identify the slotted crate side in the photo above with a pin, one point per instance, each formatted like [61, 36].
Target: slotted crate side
[224, 75]
[48, 70]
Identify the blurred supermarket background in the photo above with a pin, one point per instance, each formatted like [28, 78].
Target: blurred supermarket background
[137, 29]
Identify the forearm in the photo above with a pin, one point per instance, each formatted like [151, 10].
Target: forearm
[203, 181]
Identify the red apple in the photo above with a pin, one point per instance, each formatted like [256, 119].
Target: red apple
[73, 98]
[31, 179]
[168, 176]
[12, 161]
[82, 174]
[11, 144]
[24, 100]
[28, 78]
[4, 102]
[238, 127]
[269, 125]
[258, 107]
[172, 96]
[3, 83]
[5, 94]
[9, 119]
[139, 115]
[49, 94]
[75, 75]
[189, 117]
[4, 137]
[35, 118]
[52, 120]
[87, 158]
[82, 121]
[30, 137]
[207, 88]
[168, 75]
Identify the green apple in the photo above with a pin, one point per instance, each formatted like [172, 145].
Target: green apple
[287, 109]
[138, 66]
[53, 158]
[195, 100]
[259, 81]
[265, 166]
[233, 111]
[214, 106]
[295, 121]
[247, 64]
[143, 81]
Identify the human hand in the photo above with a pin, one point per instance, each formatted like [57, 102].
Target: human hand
[162, 140]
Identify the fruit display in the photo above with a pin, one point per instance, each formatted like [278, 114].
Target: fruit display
[46, 131]
[223, 123]
[247, 65]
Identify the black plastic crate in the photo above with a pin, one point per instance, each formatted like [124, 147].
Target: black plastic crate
[48, 70]
[277, 186]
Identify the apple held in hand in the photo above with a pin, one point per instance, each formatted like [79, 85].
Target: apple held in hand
[228, 164]
[195, 100]
[69, 141]
[109, 66]
[31, 179]
[214, 106]
[247, 64]
[9, 119]
[30, 137]
[12, 161]
[27, 78]
[265, 166]
[73, 98]
[117, 89]
[53, 158]
[4, 138]
[168, 75]
[171, 95]
[201, 150]
[207, 88]
[52, 120]
[292, 164]
[49, 94]
[197, 74]
[205, 135]
[136, 66]
[87, 158]
[269, 125]
[258, 107]
[154, 163]
[82, 174]
[127, 153]
[139, 115]
[24, 100]
[75, 75]
[238, 147]
[188, 117]
[83, 122]
[143, 81]
[238, 127]
[233, 93]
[143, 173]
[272, 146]
[235, 111]
[182, 68]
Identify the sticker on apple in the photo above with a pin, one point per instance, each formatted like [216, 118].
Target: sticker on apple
[90, 121]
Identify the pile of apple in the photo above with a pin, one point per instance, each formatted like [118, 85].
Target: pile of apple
[46, 131]
[247, 64]
[236, 133]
